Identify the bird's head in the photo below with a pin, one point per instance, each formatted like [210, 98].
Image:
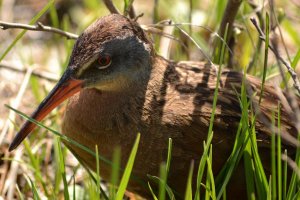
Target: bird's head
[110, 54]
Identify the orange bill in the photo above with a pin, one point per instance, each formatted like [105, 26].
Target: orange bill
[65, 88]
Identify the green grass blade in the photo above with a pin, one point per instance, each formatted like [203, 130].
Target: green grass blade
[115, 172]
[294, 182]
[296, 59]
[94, 180]
[249, 169]
[128, 169]
[247, 153]
[210, 175]
[266, 57]
[269, 194]
[54, 16]
[33, 189]
[273, 161]
[97, 170]
[58, 177]
[292, 31]
[189, 192]
[208, 181]
[164, 170]
[32, 21]
[169, 155]
[162, 184]
[157, 180]
[260, 176]
[279, 161]
[20, 194]
[202, 166]
[35, 163]
[62, 168]
[284, 189]
[127, 6]
[152, 192]
[224, 195]
[36, 88]
[293, 65]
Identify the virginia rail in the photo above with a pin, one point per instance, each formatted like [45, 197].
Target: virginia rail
[118, 86]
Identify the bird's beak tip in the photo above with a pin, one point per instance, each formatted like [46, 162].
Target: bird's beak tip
[64, 89]
[12, 147]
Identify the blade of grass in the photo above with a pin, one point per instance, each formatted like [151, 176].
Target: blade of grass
[152, 192]
[115, 172]
[62, 170]
[92, 192]
[68, 44]
[21, 196]
[189, 192]
[224, 195]
[58, 177]
[279, 166]
[127, 6]
[238, 147]
[249, 170]
[97, 170]
[169, 154]
[21, 34]
[156, 180]
[164, 170]
[128, 169]
[247, 153]
[273, 161]
[284, 191]
[162, 184]
[295, 60]
[269, 194]
[202, 166]
[36, 88]
[294, 180]
[291, 30]
[207, 186]
[224, 175]
[261, 182]
[93, 178]
[293, 65]
[35, 163]
[54, 16]
[33, 188]
[210, 175]
[266, 57]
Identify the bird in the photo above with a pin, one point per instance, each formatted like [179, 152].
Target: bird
[118, 86]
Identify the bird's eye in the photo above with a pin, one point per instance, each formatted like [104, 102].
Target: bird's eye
[104, 61]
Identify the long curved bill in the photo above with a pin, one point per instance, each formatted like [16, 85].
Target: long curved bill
[65, 88]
